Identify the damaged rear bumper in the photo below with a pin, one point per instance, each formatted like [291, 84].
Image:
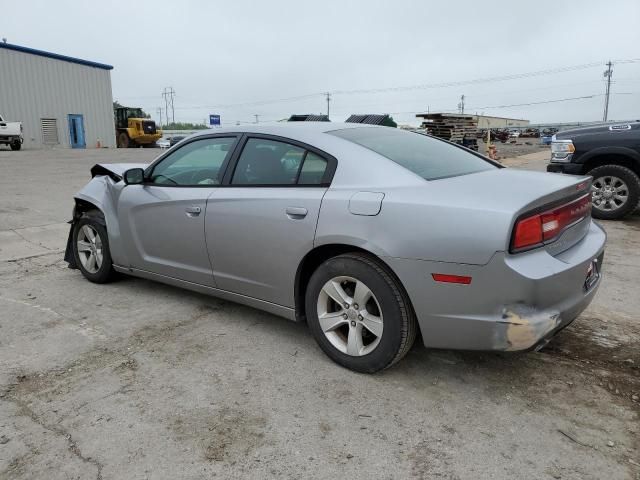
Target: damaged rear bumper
[514, 303]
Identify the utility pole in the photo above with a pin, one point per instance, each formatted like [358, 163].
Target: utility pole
[607, 74]
[461, 105]
[168, 95]
[257, 119]
[328, 101]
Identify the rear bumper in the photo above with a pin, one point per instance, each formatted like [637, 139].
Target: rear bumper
[10, 139]
[515, 302]
[569, 168]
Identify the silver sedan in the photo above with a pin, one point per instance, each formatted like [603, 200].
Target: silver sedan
[369, 234]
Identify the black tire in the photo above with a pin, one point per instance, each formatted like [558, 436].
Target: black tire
[105, 272]
[399, 327]
[123, 140]
[15, 146]
[633, 187]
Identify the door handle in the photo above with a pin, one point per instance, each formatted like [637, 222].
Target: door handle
[296, 212]
[193, 211]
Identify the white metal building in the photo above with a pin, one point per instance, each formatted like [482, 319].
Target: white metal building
[61, 101]
[485, 121]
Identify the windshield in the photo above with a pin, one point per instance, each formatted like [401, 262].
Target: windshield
[135, 113]
[423, 155]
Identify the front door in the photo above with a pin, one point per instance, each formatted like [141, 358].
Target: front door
[260, 226]
[76, 131]
[162, 220]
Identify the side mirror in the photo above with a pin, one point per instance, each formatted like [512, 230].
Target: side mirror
[134, 176]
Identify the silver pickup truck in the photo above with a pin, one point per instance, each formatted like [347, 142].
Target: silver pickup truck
[11, 134]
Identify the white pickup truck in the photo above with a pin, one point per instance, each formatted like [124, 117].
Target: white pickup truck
[11, 134]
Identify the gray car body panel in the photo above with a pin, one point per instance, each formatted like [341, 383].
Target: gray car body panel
[246, 247]
[255, 245]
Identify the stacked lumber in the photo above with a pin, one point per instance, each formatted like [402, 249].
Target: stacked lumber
[453, 127]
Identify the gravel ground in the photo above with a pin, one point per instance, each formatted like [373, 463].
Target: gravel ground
[139, 380]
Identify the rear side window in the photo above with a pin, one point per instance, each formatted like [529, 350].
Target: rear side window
[265, 162]
[313, 170]
[425, 156]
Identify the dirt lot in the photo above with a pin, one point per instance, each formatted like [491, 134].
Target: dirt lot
[138, 380]
[515, 147]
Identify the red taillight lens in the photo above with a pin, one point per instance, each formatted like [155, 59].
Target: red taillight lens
[555, 221]
[528, 232]
[547, 225]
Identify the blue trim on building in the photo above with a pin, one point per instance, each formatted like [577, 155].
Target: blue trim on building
[55, 56]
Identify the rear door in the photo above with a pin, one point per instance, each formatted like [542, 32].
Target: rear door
[162, 220]
[263, 221]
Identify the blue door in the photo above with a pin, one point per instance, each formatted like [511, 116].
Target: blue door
[76, 131]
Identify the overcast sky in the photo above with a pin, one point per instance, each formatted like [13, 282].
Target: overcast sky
[219, 54]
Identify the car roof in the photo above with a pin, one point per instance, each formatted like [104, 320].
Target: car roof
[285, 129]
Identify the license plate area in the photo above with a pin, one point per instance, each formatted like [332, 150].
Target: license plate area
[593, 272]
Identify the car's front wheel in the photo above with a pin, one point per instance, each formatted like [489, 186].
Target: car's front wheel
[359, 314]
[16, 145]
[91, 248]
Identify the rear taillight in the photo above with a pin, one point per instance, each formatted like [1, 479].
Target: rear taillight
[534, 230]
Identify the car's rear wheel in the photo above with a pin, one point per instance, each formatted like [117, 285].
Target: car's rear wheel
[359, 313]
[91, 248]
[615, 191]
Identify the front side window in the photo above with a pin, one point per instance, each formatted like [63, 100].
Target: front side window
[423, 155]
[268, 162]
[196, 163]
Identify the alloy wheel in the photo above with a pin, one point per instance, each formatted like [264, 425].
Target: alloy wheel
[89, 246]
[350, 316]
[609, 193]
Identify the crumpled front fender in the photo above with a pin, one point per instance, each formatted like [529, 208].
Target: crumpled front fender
[101, 192]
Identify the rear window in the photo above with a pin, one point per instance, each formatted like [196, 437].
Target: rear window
[425, 156]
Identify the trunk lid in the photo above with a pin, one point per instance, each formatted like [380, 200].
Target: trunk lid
[517, 193]
[512, 190]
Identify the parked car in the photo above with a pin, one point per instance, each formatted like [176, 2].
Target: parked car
[611, 155]
[176, 139]
[11, 134]
[369, 234]
[514, 133]
[163, 143]
[530, 133]
[500, 134]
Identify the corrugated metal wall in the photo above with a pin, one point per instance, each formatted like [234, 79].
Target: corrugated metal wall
[33, 87]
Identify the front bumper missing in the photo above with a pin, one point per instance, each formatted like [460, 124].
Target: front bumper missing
[69, 256]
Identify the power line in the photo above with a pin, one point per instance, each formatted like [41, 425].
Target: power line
[410, 87]
[475, 81]
[503, 106]
[539, 103]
